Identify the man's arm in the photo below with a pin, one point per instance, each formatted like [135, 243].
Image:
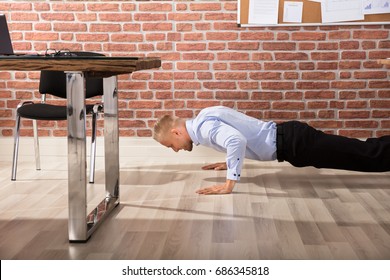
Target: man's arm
[219, 189]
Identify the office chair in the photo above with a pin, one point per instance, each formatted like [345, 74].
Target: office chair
[54, 83]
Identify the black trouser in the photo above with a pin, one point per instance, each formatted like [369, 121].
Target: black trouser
[302, 145]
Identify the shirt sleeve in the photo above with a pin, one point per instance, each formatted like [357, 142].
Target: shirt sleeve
[234, 143]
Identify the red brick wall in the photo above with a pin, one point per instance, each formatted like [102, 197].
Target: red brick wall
[326, 76]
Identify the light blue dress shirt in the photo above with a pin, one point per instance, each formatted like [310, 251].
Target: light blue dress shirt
[238, 135]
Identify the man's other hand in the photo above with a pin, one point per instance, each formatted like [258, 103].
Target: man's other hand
[215, 166]
[218, 189]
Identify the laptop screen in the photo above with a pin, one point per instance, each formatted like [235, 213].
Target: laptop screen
[5, 39]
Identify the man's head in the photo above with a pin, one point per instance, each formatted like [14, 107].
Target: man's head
[172, 133]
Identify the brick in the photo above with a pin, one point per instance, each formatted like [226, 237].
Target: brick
[293, 95]
[257, 36]
[243, 46]
[230, 76]
[353, 55]
[185, 17]
[233, 56]
[370, 74]
[160, 85]
[262, 56]
[193, 36]
[201, 104]
[321, 94]
[370, 34]
[281, 46]
[245, 66]
[115, 17]
[325, 55]
[191, 47]
[219, 85]
[205, 6]
[187, 85]
[280, 66]
[198, 56]
[318, 75]
[144, 105]
[326, 124]
[291, 56]
[192, 66]
[184, 75]
[317, 105]
[357, 104]
[306, 46]
[221, 16]
[348, 85]
[277, 85]
[354, 114]
[173, 104]
[265, 75]
[205, 95]
[149, 17]
[267, 95]
[308, 36]
[157, 27]
[236, 95]
[379, 84]
[306, 66]
[349, 45]
[155, 7]
[349, 64]
[327, 65]
[356, 133]
[326, 114]
[242, 105]
[313, 85]
[248, 85]
[328, 46]
[215, 36]
[335, 35]
[385, 104]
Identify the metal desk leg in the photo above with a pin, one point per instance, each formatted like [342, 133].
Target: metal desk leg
[111, 156]
[77, 182]
[81, 226]
[111, 138]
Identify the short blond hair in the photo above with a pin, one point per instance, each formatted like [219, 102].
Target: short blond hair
[162, 126]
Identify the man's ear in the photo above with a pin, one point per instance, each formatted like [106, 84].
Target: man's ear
[175, 131]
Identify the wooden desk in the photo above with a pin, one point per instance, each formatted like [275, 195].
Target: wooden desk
[80, 224]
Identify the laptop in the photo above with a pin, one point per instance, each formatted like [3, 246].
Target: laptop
[5, 39]
[6, 48]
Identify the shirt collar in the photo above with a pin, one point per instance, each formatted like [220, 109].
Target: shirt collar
[189, 127]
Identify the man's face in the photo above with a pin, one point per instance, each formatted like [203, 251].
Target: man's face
[177, 141]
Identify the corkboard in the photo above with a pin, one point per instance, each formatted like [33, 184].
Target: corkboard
[311, 15]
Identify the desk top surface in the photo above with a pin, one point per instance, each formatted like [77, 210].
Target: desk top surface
[91, 65]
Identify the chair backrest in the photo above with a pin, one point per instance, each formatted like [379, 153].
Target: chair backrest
[54, 82]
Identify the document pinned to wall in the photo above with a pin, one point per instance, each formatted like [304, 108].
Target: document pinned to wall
[341, 10]
[292, 11]
[371, 7]
[263, 11]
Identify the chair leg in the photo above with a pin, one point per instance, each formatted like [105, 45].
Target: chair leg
[93, 149]
[16, 148]
[36, 146]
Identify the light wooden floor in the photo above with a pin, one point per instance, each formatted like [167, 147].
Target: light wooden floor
[276, 212]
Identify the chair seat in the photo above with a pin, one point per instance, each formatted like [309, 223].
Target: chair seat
[40, 111]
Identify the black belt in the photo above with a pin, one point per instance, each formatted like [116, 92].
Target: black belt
[279, 142]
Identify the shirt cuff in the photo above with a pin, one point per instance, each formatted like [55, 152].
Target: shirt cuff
[233, 175]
